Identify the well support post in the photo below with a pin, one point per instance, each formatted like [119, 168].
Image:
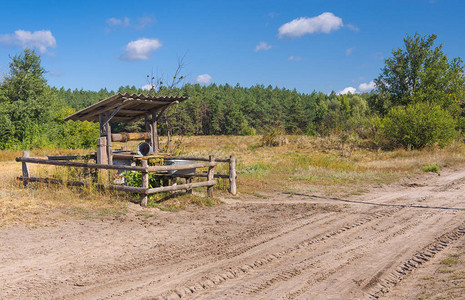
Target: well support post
[145, 183]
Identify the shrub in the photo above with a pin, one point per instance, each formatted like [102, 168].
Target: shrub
[135, 179]
[434, 168]
[274, 137]
[418, 125]
[246, 129]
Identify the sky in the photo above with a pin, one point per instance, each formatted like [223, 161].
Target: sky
[309, 46]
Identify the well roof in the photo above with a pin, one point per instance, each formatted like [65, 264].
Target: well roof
[130, 107]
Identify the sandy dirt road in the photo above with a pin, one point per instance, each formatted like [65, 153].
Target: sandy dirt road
[279, 247]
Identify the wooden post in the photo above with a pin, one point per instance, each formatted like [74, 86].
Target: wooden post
[145, 183]
[147, 127]
[211, 176]
[108, 134]
[25, 167]
[174, 182]
[101, 120]
[154, 132]
[102, 157]
[232, 175]
[189, 181]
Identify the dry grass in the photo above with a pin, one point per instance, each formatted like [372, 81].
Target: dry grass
[306, 164]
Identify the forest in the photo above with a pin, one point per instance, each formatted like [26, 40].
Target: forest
[418, 102]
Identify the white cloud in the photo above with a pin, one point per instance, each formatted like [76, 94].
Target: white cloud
[365, 87]
[147, 87]
[262, 46]
[324, 23]
[349, 51]
[144, 22]
[118, 22]
[203, 79]
[352, 27]
[347, 90]
[294, 58]
[41, 39]
[141, 49]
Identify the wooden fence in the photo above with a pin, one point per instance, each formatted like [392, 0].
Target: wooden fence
[145, 169]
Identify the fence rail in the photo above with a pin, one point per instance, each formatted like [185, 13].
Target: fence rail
[145, 170]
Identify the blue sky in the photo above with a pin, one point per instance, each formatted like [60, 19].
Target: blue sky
[306, 45]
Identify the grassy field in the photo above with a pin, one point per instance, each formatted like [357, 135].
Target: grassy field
[305, 164]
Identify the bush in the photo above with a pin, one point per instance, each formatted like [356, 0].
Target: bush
[418, 125]
[274, 137]
[247, 130]
[434, 168]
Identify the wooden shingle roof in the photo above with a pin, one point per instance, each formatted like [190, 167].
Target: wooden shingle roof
[125, 108]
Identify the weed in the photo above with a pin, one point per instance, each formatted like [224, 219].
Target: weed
[434, 168]
[449, 261]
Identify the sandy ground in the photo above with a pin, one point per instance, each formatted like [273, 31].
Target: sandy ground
[276, 247]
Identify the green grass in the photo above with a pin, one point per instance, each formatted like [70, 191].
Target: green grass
[434, 168]
[449, 261]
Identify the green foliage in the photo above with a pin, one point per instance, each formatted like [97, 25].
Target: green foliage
[419, 125]
[246, 130]
[274, 137]
[135, 179]
[434, 168]
[420, 73]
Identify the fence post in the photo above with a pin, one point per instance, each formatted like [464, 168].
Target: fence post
[232, 175]
[189, 181]
[145, 183]
[25, 167]
[210, 176]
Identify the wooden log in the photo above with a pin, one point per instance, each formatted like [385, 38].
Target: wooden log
[180, 187]
[25, 168]
[108, 134]
[129, 136]
[67, 157]
[102, 157]
[131, 189]
[210, 176]
[114, 167]
[181, 167]
[189, 181]
[154, 132]
[232, 175]
[198, 158]
[78, 164]
[101, 120]
[202, 175]
[174, 182]
[145, 184]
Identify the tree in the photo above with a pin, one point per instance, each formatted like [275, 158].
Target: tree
[420, 73]
[26, 99]
[418, 125]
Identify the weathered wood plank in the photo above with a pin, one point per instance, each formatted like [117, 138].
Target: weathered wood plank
[198, 158]
[187, 186]
[181, 167]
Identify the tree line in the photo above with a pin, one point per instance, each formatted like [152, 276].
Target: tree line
[418, 101]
